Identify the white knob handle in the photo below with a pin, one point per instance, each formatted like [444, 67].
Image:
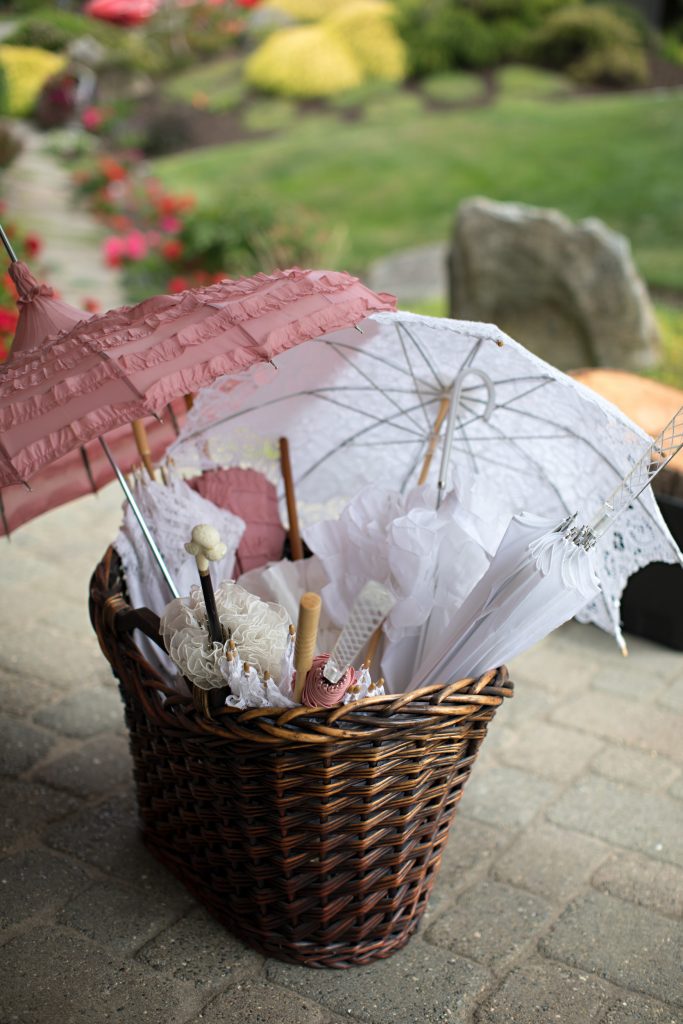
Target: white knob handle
[206, 546]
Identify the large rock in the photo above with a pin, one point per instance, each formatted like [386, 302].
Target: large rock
[569, 292]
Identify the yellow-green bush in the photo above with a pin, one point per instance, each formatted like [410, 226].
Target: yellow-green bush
[305, 62]
[613, 65]
[366, 27]
[27, 69]
[306, 10]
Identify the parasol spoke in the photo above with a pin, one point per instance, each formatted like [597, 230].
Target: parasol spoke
[387, 420]
[382, 360]
[140, 518]
[375, 388]
[542, 472]
[416, 387]
[440, 383]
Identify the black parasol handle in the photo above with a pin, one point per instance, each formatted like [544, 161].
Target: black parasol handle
[213, 622]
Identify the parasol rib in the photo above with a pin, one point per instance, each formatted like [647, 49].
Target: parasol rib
[141, 519]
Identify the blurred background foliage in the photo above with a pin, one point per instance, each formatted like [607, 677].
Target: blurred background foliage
[338, 131]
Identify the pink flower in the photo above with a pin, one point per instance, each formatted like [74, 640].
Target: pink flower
[33, 244]
[136, 245]
[92, 118]
[171, 225]
[114, 250]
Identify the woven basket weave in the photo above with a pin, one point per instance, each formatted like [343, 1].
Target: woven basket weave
[313, 835]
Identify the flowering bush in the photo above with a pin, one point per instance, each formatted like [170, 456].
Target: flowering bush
[27, 69]
[162, 244]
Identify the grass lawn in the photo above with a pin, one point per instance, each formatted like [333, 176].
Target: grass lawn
[393, 178]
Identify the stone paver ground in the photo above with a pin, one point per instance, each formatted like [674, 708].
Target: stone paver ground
[561, 892]
[560, 896]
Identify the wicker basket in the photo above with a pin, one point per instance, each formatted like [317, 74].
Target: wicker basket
[313, 835]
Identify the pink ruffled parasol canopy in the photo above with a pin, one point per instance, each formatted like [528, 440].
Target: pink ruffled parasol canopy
[71, 477]
[132, 361]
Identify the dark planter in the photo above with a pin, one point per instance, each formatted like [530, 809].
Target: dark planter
[652, 604]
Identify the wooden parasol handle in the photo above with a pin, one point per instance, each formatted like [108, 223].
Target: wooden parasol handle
[433, 438]
[296, 547]
[142, 442]
[306, 636]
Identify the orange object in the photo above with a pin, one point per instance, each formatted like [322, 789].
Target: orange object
[647, 402]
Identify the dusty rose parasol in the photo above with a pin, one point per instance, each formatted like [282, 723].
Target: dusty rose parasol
[42, 316]
[132, 361]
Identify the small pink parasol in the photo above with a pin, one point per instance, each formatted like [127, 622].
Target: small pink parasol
[42, 316]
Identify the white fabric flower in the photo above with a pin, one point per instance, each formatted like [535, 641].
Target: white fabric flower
[260, 631]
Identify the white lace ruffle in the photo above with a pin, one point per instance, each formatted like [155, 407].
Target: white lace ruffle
[259, 630]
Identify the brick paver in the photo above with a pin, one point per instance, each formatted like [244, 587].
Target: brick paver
[557, 899]
[631, 946]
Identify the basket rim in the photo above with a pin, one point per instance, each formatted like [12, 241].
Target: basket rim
[368, 718]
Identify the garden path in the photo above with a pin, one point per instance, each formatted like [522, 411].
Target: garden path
[38, 195]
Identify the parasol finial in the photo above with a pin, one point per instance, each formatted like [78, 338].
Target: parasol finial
[207, 546]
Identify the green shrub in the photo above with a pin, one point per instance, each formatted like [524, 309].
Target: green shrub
[611, 65]
[512, 38]
[572, 33]
[672, 46]
[53, 29]
[442, 35]
[25, 6]
[453, 87]
[523, 81]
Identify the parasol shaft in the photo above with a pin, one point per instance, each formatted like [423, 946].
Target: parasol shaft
[141, 519]
[433, 438]
[453, 404]
[8, 245]
[142, 442]
[296, 547]
[213, 622]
